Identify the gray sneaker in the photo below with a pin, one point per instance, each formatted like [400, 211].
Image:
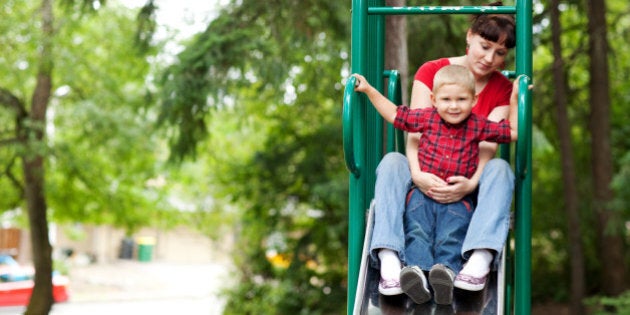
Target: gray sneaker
[414, 284]
[441, 279]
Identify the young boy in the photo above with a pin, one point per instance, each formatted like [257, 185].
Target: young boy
[449, 146]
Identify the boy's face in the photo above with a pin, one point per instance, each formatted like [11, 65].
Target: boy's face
[453, 102]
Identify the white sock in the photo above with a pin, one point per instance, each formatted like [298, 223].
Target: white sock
[390, 264]
[479, 263]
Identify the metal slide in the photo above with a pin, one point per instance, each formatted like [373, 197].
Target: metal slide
[369, 301]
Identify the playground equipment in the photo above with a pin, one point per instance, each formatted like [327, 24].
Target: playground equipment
[509, 290]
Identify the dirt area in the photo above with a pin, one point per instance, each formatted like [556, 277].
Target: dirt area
[550, 309]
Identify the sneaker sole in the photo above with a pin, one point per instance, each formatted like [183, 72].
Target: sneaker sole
[390, 291]
[469, 286]
[442, 284]
[412, 284]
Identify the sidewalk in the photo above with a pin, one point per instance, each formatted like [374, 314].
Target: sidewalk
[132, 287]
[134, 280]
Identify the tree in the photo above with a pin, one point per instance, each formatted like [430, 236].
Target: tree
[31, 133]
[106, 155]
[41, 158]
[396, 52]
[571, 195]
[610, 242]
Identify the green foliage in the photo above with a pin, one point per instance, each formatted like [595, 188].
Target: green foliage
[283, 169]
[18, 64]
[268, 94]
[249, 41]
[602, 305]
[103, 153]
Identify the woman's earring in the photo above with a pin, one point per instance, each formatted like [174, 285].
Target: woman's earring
[467, 47]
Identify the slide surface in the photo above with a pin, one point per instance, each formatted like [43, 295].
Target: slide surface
[368, 300]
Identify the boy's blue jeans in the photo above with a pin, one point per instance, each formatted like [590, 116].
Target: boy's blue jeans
[434, 232]
[489, 224]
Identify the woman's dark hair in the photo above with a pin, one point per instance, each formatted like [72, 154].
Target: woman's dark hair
[498, 28]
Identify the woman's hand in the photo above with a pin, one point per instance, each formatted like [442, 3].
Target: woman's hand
[456, 189]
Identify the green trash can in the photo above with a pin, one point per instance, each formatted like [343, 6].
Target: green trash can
[145, 248]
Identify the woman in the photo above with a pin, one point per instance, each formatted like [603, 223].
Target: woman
[489, 40]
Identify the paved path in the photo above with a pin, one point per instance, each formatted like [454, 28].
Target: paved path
[132, 287]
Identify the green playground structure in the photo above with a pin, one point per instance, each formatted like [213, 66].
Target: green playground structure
[363, 146]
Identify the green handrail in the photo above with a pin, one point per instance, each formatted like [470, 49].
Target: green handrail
[510, 74]
[348, 137]
[393, 85]
[395, 138]
[524, 95]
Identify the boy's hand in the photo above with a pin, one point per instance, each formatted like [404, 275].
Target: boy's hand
[361, 84]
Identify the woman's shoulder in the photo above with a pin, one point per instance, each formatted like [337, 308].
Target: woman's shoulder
[428, 69]
[436, 64]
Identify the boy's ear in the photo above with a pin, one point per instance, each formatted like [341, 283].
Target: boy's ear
[432, 99]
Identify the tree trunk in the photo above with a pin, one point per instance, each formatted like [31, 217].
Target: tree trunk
[571, 196]
[610, 244]
[396, 53]
[33, 160]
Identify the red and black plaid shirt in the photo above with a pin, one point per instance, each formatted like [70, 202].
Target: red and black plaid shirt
[445, 149]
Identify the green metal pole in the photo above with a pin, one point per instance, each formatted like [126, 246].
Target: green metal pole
[523, 221]
[356, 218]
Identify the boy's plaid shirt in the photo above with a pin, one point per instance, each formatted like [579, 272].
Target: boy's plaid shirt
[450, 150]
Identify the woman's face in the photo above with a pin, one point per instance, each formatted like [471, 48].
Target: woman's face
[484, 56]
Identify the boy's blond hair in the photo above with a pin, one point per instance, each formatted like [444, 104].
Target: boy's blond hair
[454, 74]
